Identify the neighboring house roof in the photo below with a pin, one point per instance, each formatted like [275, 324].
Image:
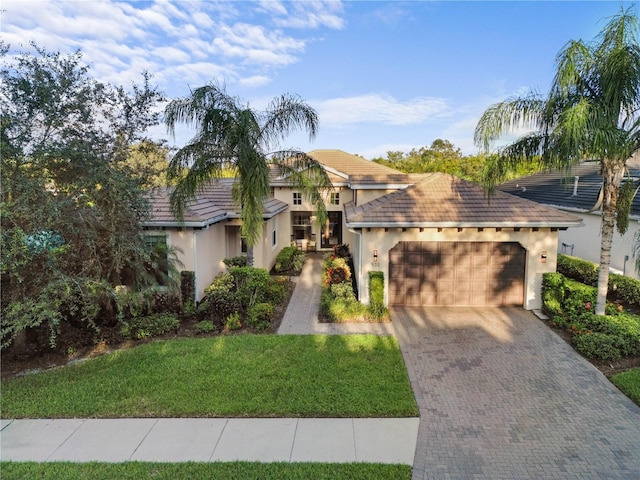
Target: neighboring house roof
[575, 189]
[213, 204]
[442, 200]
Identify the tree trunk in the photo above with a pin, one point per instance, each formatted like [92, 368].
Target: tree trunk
[612, 174]
[250, 256]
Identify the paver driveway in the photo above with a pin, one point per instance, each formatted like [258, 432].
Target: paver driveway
[503, 397]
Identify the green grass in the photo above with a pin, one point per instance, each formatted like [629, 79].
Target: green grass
[208, 471]
[234, 376]
[629, 383]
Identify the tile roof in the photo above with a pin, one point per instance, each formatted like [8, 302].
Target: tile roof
[442, 200]
[556, 188]
[213, 203]
[352, 165]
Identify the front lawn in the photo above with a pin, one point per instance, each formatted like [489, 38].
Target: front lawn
[227, 376]
[629, 383]
[208, 471]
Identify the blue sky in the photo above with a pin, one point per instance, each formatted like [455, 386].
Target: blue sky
[382, 75]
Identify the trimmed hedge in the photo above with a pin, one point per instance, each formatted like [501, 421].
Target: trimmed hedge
[621, 288]
[570, 304]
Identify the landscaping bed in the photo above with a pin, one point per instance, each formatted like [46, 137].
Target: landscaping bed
[610, 342]
[73, 343]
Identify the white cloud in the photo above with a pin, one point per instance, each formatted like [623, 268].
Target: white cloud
[254, 43]
[309, 15]
[380, 109]
[255, 81]
[171, 54]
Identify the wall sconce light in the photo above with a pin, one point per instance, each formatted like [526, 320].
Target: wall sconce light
[375, 258]
[543, 257]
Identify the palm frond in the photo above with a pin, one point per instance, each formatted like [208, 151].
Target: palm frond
[286, 114]
[509, 116]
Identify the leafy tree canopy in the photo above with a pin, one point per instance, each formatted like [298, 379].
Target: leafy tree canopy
[443, 156]
[71, 208]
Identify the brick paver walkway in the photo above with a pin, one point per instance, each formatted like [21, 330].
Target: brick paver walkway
[301, 317]
[502, 397]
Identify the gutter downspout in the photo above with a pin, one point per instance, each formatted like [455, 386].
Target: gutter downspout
[195, 262]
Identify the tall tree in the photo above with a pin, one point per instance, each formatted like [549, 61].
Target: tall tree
[232, 136]
[590, 113]
[71, 212]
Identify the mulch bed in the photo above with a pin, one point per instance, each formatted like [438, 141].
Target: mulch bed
[608, 367]
[74, 343]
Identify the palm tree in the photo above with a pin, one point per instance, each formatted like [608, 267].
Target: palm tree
[233, 136]
[590, 113]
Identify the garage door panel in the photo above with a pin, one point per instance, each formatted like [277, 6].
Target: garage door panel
[445, 299]
[413, 258]
[463, 285]
[414, 271]
[413, 300]
[457, 273]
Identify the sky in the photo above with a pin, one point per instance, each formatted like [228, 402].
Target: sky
[382, 75]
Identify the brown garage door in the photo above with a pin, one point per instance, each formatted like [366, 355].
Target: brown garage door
[456, 273]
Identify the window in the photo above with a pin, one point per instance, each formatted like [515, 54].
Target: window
[274, 235]
[158, 266]
[335, 199]
[243, 245]
[297, 198]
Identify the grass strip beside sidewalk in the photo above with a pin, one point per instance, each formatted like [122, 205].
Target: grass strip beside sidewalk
[233, 376]
[208, 471]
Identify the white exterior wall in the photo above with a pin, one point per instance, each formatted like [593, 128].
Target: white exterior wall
[202, 252]
[586, 243]
[264, 251]
[535, 243]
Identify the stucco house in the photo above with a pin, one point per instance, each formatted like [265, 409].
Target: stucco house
[438, 239]
[576, 191]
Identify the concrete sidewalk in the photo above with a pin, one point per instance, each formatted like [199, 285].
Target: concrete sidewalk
[326, 440]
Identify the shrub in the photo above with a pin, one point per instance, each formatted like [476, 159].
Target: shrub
[340, 309]
[251, 285]
[149, 326]
[337, 271]
[289, 259]
[218, 305]
[376, 309]
[578, 298]
[598, 345]
[164, 302]
[205, 326]
[343, 290]
[377, 312]
[624, 289]
[625, 328]
[342, 251]
[578, 269]
[552, 293]
[223, 281]
[131, 304]
[621, 288]
[239, 261]
[276, 289]
[259, 316]
[233, 322]
[188, 286]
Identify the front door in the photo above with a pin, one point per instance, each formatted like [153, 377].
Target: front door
[332, 234]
